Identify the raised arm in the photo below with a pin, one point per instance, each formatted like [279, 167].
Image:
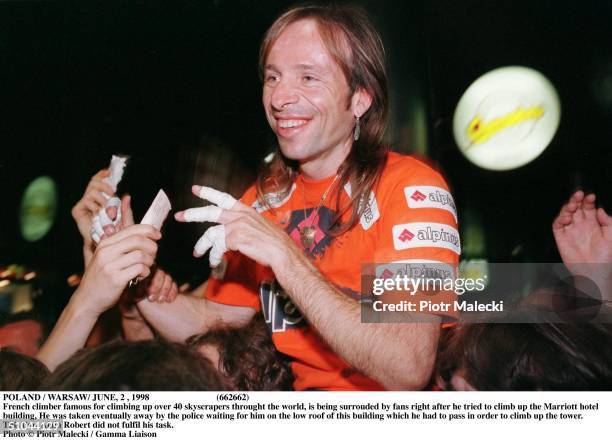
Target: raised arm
[87, 207]
[118, 259]
[583, 234]
[399, 356]
[189, 315]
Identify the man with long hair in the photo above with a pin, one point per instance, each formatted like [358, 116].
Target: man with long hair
[333, 197]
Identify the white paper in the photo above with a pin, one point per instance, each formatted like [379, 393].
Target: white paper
[158, 211]
[117, 166]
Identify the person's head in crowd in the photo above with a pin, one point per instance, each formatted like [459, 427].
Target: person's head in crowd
[526, 356]
[22, 332]
[153, 365]
[246, 357]
[19, 372]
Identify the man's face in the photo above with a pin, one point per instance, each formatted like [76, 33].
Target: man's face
[306, 97]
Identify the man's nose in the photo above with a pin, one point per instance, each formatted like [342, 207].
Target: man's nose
[283, 94]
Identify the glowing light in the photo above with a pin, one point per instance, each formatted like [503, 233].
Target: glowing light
[506, 118]
[38, 207]
[4, 283]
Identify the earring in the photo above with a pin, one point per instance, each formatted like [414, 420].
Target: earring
[357, 129]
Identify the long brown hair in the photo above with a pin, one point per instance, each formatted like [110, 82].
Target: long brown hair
[247, 357]
[356, 47]
[528, 356]
[19, 372]
[151, 365]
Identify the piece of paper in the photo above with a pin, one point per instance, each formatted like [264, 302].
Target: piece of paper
[117, 166]
[158, 211]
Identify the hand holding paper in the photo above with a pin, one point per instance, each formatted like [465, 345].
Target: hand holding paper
[156, 215]
[90, 204]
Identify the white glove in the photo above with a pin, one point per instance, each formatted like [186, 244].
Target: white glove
[214, 237]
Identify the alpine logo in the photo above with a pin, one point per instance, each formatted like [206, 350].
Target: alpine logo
[430, 197]
[406, 235]
[416, 269]
[424, 234]
[386, 274]
[418, 196]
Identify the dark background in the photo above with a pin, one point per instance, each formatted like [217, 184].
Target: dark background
[166, 82]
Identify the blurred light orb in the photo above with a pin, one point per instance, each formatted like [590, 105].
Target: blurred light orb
[38, 206]
[506, 118]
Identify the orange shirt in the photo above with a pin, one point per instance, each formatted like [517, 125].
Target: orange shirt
[410, 216]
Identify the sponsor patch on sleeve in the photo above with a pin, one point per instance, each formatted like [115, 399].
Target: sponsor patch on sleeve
[415, 269]
[430, 197]
[425, 234]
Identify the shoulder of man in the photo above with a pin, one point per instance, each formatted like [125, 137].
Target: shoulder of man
[410, 182]
[406, 170]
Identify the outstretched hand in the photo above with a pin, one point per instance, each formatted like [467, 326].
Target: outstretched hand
[91, 203]
[583, 232]
[584, 238]
[86, 211]
[118, 259]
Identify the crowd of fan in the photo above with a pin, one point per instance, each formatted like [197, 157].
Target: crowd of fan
[485, 356]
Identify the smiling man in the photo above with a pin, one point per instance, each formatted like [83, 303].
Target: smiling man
[332, 198]
[307, 99]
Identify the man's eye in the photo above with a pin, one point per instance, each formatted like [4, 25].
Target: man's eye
[271, 78]
[309, 78]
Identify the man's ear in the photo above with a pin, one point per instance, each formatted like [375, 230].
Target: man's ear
[360, 102]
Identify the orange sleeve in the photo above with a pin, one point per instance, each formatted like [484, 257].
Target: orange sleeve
[418, 217]
[418, 229]
[237, 286]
